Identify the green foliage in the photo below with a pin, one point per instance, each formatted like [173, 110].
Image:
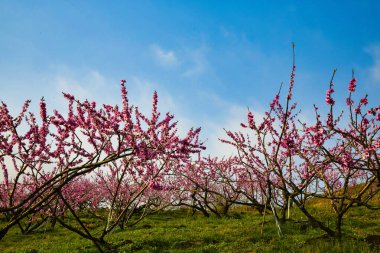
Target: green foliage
[178, 231]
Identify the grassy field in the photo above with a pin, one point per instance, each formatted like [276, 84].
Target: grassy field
[178, 231]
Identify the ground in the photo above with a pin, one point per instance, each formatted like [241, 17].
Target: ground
[179, 231]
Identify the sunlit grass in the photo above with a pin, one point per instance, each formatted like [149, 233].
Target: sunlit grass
[178, 231]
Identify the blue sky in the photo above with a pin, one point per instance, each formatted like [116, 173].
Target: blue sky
[208, 60]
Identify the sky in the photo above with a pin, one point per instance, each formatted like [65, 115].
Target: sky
[208, 60]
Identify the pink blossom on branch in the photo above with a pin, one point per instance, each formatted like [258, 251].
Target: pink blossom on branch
[364, 101]
[329, 99]
[352, 85]
[349, 102]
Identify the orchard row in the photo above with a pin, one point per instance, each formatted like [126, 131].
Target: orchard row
[119, 165]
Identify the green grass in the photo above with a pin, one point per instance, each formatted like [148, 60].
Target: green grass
[178, 231]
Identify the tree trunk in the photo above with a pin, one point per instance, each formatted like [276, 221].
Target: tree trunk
[3, 232]
[284, 207]
[338, 226]
[313, 220]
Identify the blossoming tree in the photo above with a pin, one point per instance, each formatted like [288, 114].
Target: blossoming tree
[49, 156]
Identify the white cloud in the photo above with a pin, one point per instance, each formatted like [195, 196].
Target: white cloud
[193, 61]
[82, 88]
[375, 69]
[140, 92]
[90, 84]
[234, 116]
[213, 127]
[228, 33]
[71, 86]
[165, 58]
[199, 63]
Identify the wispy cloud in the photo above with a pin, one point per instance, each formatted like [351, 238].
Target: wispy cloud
[140, 91]
[227, 117]
[85, 87]
[234, 115]
[165, 58]
[228, 33]
[87, 84]
[198, 63]
[375, 69]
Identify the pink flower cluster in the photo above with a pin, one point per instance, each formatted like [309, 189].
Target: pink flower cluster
[329, 100]
[352, 85]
